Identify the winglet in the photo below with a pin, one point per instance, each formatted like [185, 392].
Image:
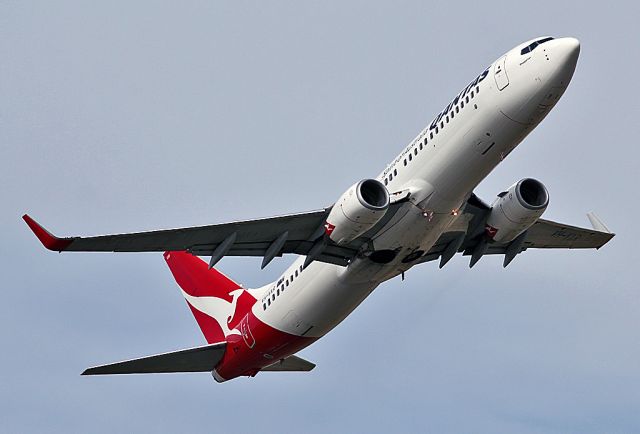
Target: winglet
[597, 224]
[47, 239]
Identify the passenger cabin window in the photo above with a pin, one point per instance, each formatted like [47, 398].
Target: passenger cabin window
[395, 172]
[532, 46]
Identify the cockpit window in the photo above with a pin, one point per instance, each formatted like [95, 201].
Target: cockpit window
[533, 45]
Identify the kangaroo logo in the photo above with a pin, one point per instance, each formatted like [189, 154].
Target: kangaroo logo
[226, 314]
[217, 302]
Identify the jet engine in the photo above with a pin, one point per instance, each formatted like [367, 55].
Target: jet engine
[357, 210]
[515, 210]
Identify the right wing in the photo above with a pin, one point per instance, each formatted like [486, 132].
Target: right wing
[469, 239]
[546, 234]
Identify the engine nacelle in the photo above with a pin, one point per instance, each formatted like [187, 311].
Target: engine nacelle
[515, 210]
[357, 210]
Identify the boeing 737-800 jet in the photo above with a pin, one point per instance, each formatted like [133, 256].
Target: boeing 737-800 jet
[420, 208]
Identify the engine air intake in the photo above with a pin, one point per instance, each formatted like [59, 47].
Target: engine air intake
[532, 193]
[373, 194]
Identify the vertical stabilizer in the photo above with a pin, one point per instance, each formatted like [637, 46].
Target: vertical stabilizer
[217, 302]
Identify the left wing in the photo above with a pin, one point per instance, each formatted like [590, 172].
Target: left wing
[301, 234]
[267, 237]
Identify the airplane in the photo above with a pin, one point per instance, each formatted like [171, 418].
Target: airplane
[420, 208]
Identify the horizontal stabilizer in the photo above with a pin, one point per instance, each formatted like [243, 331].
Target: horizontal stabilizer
[198, 359]
[291, 363]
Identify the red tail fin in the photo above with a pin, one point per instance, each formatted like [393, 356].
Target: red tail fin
[214, 299]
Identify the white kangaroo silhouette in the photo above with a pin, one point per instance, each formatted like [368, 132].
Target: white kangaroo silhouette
[217, 308]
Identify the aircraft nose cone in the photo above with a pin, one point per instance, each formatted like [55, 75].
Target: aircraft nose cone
[564, 54]
[572, 48]
[569, 50]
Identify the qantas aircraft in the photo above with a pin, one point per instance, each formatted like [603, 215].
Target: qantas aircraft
[421, 208]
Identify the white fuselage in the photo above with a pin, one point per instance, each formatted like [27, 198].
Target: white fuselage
[439, 169]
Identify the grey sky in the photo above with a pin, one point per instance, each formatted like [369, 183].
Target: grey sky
[117, 117]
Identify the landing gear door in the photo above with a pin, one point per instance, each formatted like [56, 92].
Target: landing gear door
[500, 73]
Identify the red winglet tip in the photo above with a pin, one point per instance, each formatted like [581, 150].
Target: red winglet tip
[47, 239]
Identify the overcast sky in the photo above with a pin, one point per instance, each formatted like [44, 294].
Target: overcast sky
[124, 116]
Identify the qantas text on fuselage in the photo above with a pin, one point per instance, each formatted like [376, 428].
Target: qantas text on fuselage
[420, 208]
